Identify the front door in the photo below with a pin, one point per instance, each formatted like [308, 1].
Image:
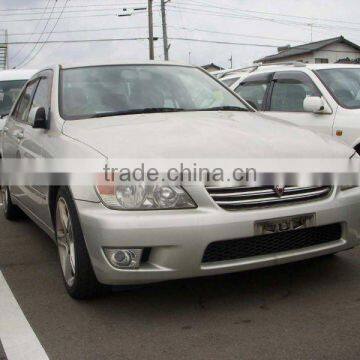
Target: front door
[286, 101]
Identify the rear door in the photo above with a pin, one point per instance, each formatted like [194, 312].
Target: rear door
[286, 98]
[32, 146]
[14, 130]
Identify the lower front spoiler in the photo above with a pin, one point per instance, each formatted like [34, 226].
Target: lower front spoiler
[150, 273]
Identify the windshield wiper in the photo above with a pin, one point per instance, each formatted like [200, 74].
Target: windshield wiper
[225, 108]
[137, 111]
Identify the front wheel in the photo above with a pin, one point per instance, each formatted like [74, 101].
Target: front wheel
[11, 211]
[78, 274]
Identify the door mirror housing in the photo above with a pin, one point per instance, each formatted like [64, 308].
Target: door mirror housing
[315, 104]
[37, 118]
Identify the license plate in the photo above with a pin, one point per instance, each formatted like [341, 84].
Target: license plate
[279, 225]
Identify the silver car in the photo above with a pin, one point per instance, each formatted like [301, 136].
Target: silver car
[122, 234]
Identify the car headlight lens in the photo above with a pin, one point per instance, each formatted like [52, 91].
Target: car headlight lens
[145, 197]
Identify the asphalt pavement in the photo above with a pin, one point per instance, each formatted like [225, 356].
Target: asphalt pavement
[306, 310]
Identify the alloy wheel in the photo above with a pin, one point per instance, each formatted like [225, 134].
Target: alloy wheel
[65, 241]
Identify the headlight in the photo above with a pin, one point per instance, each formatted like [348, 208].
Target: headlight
[145, 197]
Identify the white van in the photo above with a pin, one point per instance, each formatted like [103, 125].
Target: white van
[321, 97]
[11, 83]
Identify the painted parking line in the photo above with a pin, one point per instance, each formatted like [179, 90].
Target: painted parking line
[17, 337]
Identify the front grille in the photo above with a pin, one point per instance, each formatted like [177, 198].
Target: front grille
[242, 198]
[271, 243]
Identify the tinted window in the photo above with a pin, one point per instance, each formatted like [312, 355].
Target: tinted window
[41, 97]
[289, 93]
[106, 90]
[22, 108]
[253, 93]
[344, 84]
[9, 91]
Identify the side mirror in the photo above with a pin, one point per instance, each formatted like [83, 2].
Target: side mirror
[314, 104]
[37, 118]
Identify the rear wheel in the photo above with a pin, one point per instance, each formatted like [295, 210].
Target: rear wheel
[11, 211]
[78, 274]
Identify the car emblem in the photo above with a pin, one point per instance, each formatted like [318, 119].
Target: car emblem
[279, 190]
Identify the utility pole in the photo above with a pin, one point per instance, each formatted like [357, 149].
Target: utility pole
[311, 31]
[151, 30]
[231, 61]
[6, 49]
[164, 28]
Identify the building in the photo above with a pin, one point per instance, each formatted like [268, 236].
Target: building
[212, 67]
[325, 51]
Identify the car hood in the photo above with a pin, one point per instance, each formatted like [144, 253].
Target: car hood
[209, 134]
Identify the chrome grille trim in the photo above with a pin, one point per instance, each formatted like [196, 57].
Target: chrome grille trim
[236, 198]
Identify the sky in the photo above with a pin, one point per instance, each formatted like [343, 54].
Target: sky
[250, 29]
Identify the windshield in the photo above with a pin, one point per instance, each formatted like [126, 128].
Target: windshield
[127, 89]
[344, 85]
[9, 91]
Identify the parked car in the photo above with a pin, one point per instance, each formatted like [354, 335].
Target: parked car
[11, 83]
[322, 97]
[231, 76]
[122, 234]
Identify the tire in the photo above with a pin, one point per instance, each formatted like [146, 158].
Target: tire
[11, 211]
[78, 274]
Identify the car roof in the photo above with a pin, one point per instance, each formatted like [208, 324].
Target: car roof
[299, 66]
[8, 75]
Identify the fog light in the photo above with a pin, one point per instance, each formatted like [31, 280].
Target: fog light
[124, 258]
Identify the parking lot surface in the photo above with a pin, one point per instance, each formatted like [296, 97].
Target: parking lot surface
[307, 310]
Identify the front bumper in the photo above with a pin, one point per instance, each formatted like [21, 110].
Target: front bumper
[178, 238]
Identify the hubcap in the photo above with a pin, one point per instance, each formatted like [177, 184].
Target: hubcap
[65, 241]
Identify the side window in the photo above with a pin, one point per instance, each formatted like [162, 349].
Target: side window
[253, 93]
[41, 97]
[289, 92]
[22, 108]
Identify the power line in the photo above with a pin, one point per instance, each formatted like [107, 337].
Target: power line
[68, 17]
[72, 6]
[169, 26]
[235, 34]
[250, 44]
[73, 11]
[30, 58]
[79, 40]
[37, 42]
[85, 30]
[20, 50]
[203, 3]
[173, 38]
[191, 10]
